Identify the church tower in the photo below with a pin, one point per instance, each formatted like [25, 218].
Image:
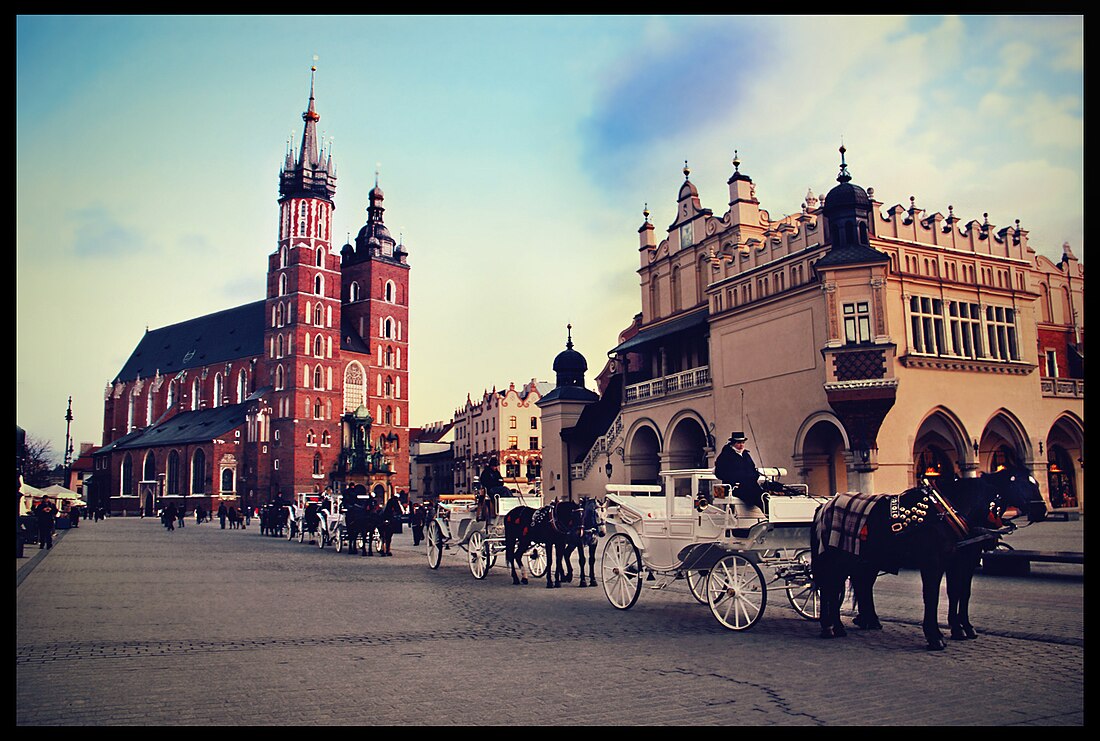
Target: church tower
[302, 320]
[375, 293]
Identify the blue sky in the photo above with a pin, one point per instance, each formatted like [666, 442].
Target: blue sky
[516, 154]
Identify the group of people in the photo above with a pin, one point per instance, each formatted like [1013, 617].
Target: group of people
[238, 520]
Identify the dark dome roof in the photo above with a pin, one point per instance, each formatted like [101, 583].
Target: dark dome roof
[570, 361]
[846, 195]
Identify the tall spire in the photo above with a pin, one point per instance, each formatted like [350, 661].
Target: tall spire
[313, 174]
[308, 154]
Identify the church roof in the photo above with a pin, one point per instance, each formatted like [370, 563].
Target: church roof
[198, 426]
[214, 338]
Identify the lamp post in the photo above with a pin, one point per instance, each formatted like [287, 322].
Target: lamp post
[68, 443]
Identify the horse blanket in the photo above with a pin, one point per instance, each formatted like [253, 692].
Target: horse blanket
[840, 521]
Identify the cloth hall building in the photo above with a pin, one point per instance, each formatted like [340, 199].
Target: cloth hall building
[857, 346]
[304, 388]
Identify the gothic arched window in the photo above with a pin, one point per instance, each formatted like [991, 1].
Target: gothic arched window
[198, 473]
[355, 383]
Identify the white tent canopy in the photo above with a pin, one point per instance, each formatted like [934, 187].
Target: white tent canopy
[57, 491]
[27, 495]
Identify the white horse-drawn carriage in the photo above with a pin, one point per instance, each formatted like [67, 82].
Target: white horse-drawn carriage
[329, 522]
[691, 529]
[476, 526]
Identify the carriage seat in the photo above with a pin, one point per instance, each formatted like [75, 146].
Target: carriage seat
[746, 515]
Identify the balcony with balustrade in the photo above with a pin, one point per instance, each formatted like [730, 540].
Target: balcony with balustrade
[695, 379]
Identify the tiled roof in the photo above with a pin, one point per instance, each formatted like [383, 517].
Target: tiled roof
[214, 338]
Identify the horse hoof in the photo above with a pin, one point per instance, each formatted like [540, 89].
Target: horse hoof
[936, 645]
[867, 623]
[522, 581]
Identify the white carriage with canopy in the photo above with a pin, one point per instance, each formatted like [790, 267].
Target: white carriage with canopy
[475, 524]
[689, 528]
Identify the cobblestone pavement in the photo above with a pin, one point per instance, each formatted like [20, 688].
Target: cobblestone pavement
[123, 623]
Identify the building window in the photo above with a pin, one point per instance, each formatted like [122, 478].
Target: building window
[534, 469]
[353, 291]
[326, 438]
[216, 401]
[242, 386]
[511, 423]
[388, 293]
[687, 236]
[227, 480]
[198, 473]
[534, 423]
[318, 378]
[513, 442]
[511, 469]
[1052, 364]
[127, 474]
[282, 284]
[172, 477]
[926, 317]
[319, 285]
[966, 329]
[1000, 324]
[857, 323]
[311, 437]
[534, 443]
[196, 395]
[317, 464]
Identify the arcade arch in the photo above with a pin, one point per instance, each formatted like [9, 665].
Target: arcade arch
[820, 454]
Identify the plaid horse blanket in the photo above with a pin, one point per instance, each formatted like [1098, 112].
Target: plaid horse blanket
[841, 519]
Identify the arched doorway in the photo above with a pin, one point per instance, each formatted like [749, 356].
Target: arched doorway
[940, 443]
[643, 456]
[1003, 443]
[687, 443]
[821, 459]
[1065, 467]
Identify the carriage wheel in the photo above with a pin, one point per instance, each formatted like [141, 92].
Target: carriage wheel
[478, 552]
[290, 531]
[736, 592]
[622, 572]
[301, 534]
[697, 585]
[536, 560]
[434, 540]
[803, 596]
[341, 534]
[322, 537]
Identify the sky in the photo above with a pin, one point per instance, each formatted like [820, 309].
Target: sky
[516, 154]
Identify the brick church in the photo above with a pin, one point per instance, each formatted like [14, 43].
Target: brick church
[303, 389]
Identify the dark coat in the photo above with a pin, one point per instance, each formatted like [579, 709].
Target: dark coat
[46, 512]
[739, 471]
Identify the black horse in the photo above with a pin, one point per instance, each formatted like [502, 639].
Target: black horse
[591, 530]
[939, 529]
[553, 526]
[389, 521]
[362, 517]
[272, 519]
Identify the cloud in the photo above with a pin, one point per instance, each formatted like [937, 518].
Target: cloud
[96, 233]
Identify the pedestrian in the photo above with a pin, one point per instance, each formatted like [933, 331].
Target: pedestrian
[416, 520]
[222, 514]
[45, 512]
[736, 468]
[169, 517]
[198, 514]
[181, 514]
[74, 517]
[247, 516]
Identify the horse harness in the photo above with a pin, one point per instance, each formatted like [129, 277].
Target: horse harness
[902, 517]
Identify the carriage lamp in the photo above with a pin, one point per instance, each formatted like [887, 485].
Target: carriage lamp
[608, 468]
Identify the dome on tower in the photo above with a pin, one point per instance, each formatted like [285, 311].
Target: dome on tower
[846, 195]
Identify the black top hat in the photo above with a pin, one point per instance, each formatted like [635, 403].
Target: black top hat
[737, 437]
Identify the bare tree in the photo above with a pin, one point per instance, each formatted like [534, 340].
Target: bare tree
[37, 461]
